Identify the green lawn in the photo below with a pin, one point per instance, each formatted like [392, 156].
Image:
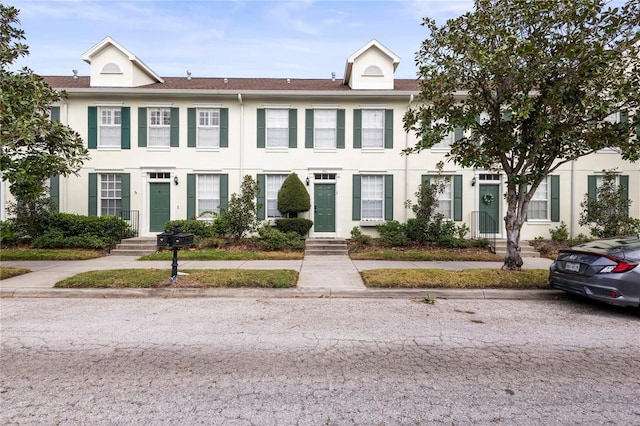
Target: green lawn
[154, 278]
[217, 254]
[48, 254]
[8, 272]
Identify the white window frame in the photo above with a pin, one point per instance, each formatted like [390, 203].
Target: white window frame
[272, 186]
[109, 127]
[372, 128]
[277, 128]
[209, 184]
[372, 197]
[159, 127]
[208, 128]
[325, 128]
[445, 198]
[542, 197]
[110, 196]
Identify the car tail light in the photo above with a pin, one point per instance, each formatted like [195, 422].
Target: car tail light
[621, 266]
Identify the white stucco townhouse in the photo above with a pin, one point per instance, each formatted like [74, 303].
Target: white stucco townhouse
[165, 148]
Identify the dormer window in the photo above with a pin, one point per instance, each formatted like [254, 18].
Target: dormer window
[111, 68]
[373, 70]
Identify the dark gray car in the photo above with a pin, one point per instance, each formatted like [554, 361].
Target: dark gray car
[605, 270]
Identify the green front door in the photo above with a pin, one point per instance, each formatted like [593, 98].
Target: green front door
[324, 217]
[160, 204]
[489, 209]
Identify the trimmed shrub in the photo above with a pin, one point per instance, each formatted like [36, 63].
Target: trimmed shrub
[199, 228]
[560, 234]
[55, 239]
[272, 239]
[293, 197]
[392, 234]
[298, 225]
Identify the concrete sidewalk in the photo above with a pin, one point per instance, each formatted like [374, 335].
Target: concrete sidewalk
[320, 276]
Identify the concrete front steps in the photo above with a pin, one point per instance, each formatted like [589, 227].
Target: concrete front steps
[325, 247]
[526, 250]
[138, 246]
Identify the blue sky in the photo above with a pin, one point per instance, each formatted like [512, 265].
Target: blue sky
[298, 39]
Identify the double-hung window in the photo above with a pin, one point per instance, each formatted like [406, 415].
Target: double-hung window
[372, 196]
[277, 128]
[445, 198]
[373, 128]
[109, 131]
[539, 204]
[159, 127]
[110, 194]
[325, 122]
[208, 128]
[208, 195]
[273, 185]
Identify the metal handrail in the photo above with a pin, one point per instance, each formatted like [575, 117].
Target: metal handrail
[481, 221]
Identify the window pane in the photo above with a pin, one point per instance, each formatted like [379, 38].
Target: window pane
[325, 125]
[110, 194]
[371, 192]
[372, 128]
[445, 198]
[273, 184]
[277, 128]
[539, 202]
[159, 127]
[209, 128]
[208, 194]
[109, 131]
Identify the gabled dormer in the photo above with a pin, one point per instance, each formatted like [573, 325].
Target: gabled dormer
[371, 67]
[114, 66]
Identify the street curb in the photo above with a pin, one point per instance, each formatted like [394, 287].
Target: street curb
[194, 293]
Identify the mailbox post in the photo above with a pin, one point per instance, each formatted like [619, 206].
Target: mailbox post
[175, 240]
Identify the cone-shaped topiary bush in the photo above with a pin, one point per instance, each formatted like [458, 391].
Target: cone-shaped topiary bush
[293, 197]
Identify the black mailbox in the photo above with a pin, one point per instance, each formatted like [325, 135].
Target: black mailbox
[165, 239]
[182, 239]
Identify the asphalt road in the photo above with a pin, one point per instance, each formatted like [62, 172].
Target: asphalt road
[317, 361]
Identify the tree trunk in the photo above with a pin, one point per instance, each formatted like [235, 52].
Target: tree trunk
[513, 225]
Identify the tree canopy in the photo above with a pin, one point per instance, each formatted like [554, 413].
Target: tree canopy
[527, 86]
[34, 147]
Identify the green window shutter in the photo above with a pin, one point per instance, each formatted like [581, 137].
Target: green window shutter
[175, 128]
[340, 134]
[262, 188]
[357, 128]
[125, 182]
[93, 195]
[555, 198]
[457, 198]
[224, 127]
[261, 126]
[624, 183]
[293, 128]
[308, 128]
[191, 195]
[356, 198]
[92, 116]
[388, 197]
[142, 127]
[591, 187]
[55, 113]
[54, 193]
[388, 129]
[458, 134]
[224, 190]
[191, 128]
[125, 128]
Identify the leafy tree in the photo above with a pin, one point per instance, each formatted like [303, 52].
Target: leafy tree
[606, 214]
[34, 148]
[241, 214]
[528, 86]
[293, 197]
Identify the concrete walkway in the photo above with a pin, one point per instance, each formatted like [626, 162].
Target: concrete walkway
[319, 276]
